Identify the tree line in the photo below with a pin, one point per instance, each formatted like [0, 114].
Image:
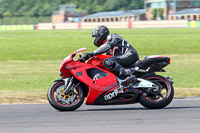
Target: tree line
[36, 8]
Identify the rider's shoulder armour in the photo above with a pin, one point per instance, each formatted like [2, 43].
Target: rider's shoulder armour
[112, 39]
[109, 37]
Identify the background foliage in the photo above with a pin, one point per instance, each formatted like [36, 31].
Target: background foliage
[157, 13]
[33, 10]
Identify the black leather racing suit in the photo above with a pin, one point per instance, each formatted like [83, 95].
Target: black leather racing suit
[123, 54]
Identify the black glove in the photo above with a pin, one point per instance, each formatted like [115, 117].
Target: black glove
[86, 56]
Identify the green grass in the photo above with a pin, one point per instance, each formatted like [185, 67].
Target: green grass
[29, 60]
[185, 70]
[31, 76]
[55, 44]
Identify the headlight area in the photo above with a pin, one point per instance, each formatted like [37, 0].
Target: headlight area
[60, 73]
[65, 73]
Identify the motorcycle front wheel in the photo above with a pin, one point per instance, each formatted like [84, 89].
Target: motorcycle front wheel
[161, 96]
[63, 101]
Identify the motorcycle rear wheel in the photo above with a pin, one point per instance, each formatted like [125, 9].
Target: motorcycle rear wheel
[160, 100]
[65, 102]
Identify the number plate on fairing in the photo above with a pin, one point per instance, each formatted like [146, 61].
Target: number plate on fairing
[79, 73]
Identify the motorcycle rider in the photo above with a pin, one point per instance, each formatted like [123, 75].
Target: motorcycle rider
[123, 53]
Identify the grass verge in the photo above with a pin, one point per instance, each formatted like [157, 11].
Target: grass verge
[29, 60]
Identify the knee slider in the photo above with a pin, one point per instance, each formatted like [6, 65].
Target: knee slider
[109, 63]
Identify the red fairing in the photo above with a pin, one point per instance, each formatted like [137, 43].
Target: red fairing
[65, 73]
[102, 87]
[98, 60]
[79, 70]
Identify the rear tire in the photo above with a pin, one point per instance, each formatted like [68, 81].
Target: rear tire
[65, 102]
[161, 100]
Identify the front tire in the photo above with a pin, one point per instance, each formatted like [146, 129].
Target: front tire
[162, 98]
[65, 102]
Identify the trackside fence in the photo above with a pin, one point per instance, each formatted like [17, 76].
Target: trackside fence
[90, 25]
[194, 24]
[16, 27]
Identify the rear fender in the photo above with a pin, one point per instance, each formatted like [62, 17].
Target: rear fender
[146, 75]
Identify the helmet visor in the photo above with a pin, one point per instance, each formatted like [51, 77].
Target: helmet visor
[94, 33]
[93, 38]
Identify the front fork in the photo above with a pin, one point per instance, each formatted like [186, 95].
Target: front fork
[69, 84]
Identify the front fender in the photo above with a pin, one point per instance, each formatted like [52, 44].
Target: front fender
[66, 80]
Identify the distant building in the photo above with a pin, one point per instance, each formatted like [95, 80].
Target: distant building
[186, 14]
[116, 16]
[67, 13]
[173, 9]
[153, 10]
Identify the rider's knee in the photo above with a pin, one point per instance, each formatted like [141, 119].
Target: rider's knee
[109, 63]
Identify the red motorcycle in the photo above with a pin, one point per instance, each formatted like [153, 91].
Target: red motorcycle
[91, 80]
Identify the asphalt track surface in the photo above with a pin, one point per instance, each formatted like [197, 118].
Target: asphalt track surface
[181, 116]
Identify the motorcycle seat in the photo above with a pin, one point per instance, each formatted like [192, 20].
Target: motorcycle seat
[148, 60]
[131, 66]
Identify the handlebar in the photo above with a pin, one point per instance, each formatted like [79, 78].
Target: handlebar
[81, 60]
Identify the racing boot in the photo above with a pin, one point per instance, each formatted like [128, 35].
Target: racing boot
[130, 70]
[128, 78]
[124, 74]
